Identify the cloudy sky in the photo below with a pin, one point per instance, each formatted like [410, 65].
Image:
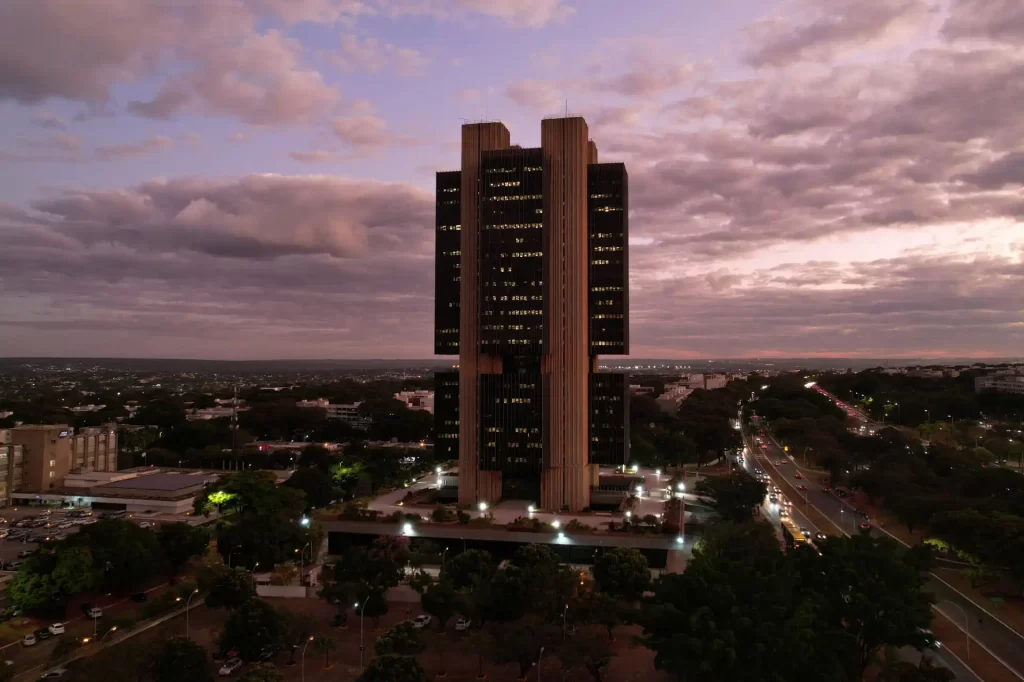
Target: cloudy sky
[253, 178]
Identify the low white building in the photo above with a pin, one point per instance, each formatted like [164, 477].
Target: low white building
[417, 400]
[1003, 383]
[673, 396]
[343, 412]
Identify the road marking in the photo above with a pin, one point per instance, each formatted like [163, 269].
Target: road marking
[978, 642]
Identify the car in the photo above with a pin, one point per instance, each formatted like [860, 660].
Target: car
[54, 674]
[230, 667]
[931, 641]
[462, 624]
[820, 537]
[3, 533]
[422, 621]
[65, 525]
[94, 612]
[26, 553]
[802, 486]
[146, 524]
[221, 654]
[56, 629]
[267, 654]
[60, 535]
[798, 475]
[806, 532]
[89, 521]
[339, 620]
[28, 640]
[13, 565]
[864, 525]
[779, 462]
[42, 633]
[783, 514]
[140, 597]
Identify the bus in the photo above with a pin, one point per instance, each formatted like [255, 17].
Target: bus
[792, 533]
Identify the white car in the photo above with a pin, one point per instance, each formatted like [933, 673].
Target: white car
[230, 666]
[421, 621]
[56, 629]
[54, 674]
[28, 640]
[146, 524]
[95, 612]
[89, 521]
[462, 624]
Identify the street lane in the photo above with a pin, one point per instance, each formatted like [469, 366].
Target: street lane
[764, 458]
[1001, 641]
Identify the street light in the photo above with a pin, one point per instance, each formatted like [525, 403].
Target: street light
[253, 572]
[361, 611]
[113, 628]
[967, 625]
[304, 522]
[564, 612]
[187, 603]
[302, 659]
[540, 656]
[407, 529]
[482, 507]
[558, 524]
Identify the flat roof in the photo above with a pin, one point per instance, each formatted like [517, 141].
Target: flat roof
[161, 481]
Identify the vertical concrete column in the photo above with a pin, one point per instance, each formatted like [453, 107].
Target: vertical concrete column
[566, 151]
[476, 139]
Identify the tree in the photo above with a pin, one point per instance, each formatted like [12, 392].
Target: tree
[28, 589]
[296, 628]
[252, 627]
[623, 573]
[469, 568]
[230, 589]
[181, 660]
[599, 608]
[262, 672]
[284, 574]
[481, 643]
[124, 554]
[6, 671]
[315, 483]
[181, 542]
[735, 496]
[402, 640]
[375, 607]
[871, 593]
[75, 571]
[521, 641]
[587, 649]
[325, 645]
[393, 668]
[442, 601]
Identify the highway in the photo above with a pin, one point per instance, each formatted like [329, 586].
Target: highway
[985, 630]
[764, 459]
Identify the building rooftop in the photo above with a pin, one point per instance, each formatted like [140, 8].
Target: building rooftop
[160, 481]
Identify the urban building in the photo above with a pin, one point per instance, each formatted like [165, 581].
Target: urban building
[531, 277]
[1002, 382]
[140, 490]
[672, 398]
[39, 457]
[637, 389]
[417, 400]
[342, 412]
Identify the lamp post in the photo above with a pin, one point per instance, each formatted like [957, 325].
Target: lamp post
[540, 656]
[253, 572]
[967, 625]
[302, 555]
[112, 629]
[361, 611]
[187, 603]
[230, 552]
[302, 659]
[564, 612]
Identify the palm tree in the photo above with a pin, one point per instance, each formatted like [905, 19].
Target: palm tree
[326, 645]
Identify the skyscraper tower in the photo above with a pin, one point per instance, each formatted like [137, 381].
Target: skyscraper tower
[531, 286]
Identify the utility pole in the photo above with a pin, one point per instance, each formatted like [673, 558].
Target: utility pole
[234, 425]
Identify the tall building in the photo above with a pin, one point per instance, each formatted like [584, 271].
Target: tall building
[37, 457]
[532, 285]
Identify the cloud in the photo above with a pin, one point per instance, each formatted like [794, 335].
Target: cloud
[150, 145]
[518, 14]
[835, 27]
[367, 132]
[535, 94]
[193, 140]
[316, 11]
[372, 56]
[46, 119]
[1005, 171]
[999, 20]
[318, 156]
[62, 142]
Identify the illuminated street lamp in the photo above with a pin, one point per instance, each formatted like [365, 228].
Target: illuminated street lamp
[407, 529]
[482, 507]
[556, 523]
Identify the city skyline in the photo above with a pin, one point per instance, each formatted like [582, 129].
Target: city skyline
[249, 179]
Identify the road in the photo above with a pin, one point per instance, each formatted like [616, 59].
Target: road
[985, 630]
[764, 459]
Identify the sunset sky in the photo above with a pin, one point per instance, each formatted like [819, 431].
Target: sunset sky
[250, 179]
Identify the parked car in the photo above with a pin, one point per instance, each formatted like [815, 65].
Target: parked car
[28, 640]
[230, 667]
[54, 674]
[221, 654]
[3, 533]
[56, 629]
[140, 597]
[42, 633]
[267, 654]
[94, 612]
[422, 621]
[462, 624]
[146, 524]
[88, 521]
[26, 553]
